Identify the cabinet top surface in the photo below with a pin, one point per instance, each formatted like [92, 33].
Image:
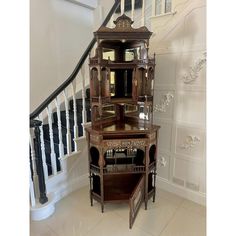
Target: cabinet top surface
[123, 128]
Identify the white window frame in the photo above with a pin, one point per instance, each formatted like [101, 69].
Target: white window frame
[163, 8]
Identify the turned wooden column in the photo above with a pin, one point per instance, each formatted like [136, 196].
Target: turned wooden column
[39, 163]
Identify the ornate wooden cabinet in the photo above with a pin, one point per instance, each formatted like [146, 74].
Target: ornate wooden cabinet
[122, 141]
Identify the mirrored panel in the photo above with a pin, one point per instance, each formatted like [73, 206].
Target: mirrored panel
[144, 112]
[121, 83]
[131, 109]
[132, 54]
[108, 111]
[108, 53]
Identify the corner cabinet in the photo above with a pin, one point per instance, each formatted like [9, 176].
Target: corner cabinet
[122, 141]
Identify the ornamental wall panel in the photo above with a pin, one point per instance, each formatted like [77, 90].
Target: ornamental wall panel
[163, 165]
[191, 71]
[190, 143]
[164, 101]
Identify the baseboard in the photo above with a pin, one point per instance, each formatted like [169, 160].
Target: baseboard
[197, 197]
[70, 187]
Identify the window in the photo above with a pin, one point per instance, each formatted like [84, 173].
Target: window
[168, 6]
[163, 6]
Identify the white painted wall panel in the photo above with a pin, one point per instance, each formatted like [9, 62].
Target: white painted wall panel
[59, 33]
[165, 70]
[195, 28]
[180, 43]
[165, 136]
[191, 107]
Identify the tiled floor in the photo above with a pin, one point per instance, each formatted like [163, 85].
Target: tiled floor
[170, 215]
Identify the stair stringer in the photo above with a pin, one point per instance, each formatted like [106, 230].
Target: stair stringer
[74, 175]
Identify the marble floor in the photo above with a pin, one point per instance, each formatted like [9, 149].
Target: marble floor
[170, 215]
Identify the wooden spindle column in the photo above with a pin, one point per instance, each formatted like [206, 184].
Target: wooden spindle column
[68, 133]
[61, 145]
[122, 7]
[33, 163]
[45, 168]
[53, 154]
[39, 164]
[76, 130]
[132, 9]
[143, 14]
[84, 112]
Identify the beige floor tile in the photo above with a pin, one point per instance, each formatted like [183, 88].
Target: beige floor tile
[185, 223]
[155, 219]
[75, 217]
[192, 206]
[38, 228]
[113, 225]
[169, 196]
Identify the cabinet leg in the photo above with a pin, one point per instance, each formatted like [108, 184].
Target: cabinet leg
[102, 207]
[91, 198]
[154, 197]
[145, 204]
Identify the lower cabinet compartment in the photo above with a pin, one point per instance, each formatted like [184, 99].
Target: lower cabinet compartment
[120, 187]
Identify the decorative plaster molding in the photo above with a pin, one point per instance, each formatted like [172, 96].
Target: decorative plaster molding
[165, 101]
[161, 162]
[190, 142]
[193, 73]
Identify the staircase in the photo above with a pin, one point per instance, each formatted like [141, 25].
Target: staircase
[55, 131]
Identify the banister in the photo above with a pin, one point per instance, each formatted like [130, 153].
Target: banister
[44, 104]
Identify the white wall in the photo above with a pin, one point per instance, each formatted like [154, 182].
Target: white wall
[179, 42]
[59, 33]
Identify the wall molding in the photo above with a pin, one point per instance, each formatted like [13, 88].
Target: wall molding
[186, 193]
[90, 4]
[192, 75]
[190, 142]
[164, 103]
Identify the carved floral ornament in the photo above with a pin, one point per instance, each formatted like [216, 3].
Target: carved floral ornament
[165, 101]
[193, 73]
[126, 144]
[190, 142]
[161, 162]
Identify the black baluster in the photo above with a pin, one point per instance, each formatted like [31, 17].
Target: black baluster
[38, 159]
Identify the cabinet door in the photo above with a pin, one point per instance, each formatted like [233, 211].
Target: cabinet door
[136, 200]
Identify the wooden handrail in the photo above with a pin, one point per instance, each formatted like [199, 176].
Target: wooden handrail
[44, 104]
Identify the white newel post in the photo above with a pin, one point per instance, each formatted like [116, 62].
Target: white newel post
[143, 14]
[61, 145]
[45, 168]
[122, 7]
[68, 134]
[53, 154]
[76, 131]
[35, 175]
[132, 9]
